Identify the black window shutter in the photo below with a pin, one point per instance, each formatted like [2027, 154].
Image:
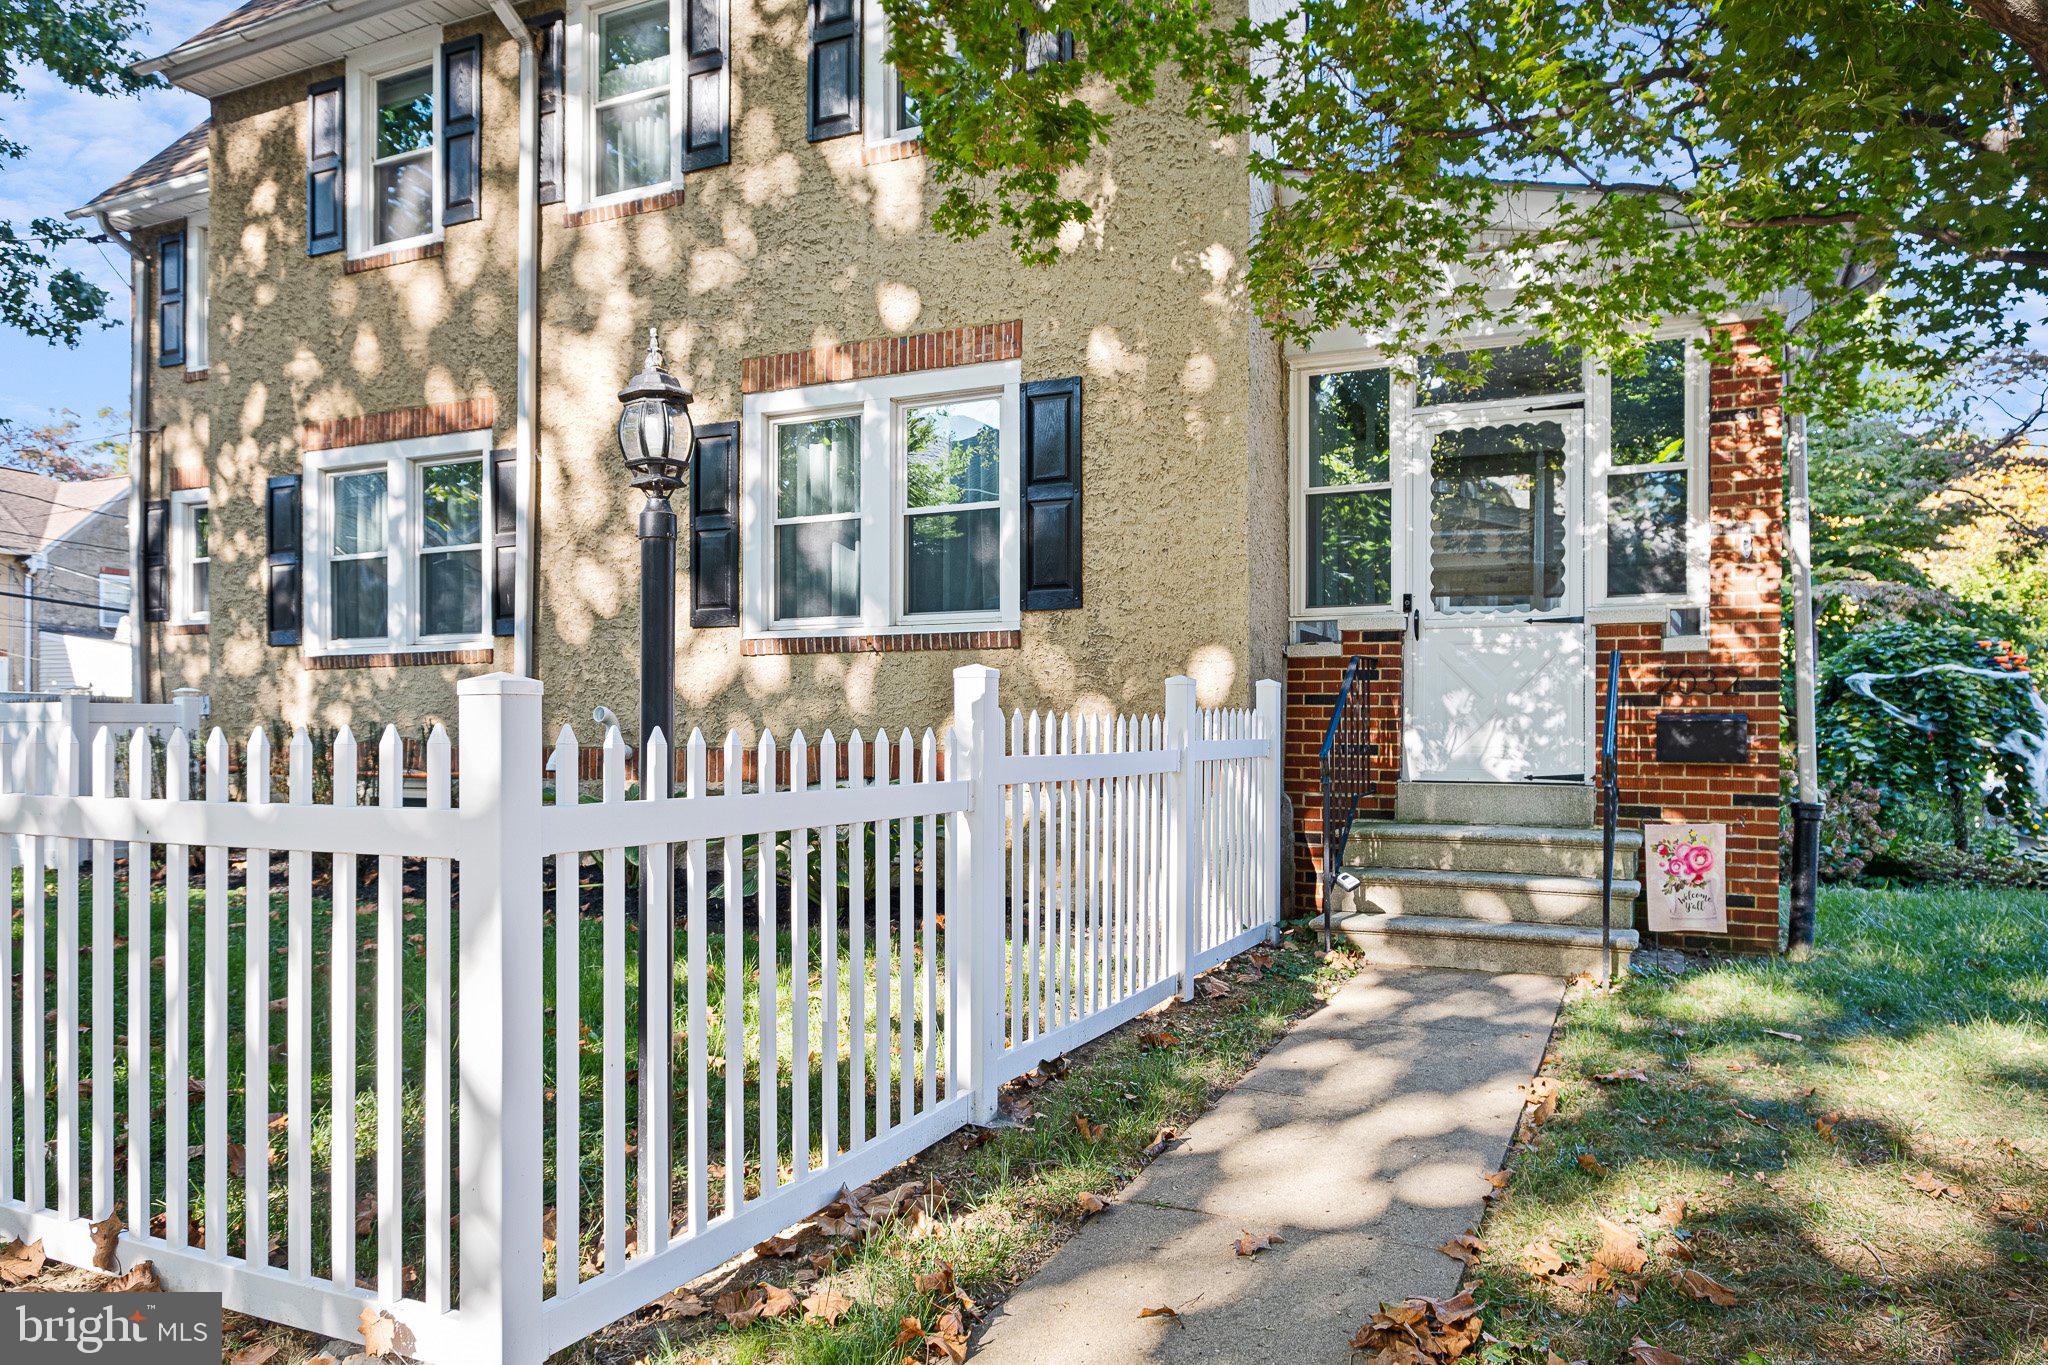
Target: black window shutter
[1052, 494]
[324, 139]
[170, 298]
[547, 44]
[504, 539]
[706, 89]
[835, 68]
[715, 527]
[462, 116]
[281, 543]
[156, 600]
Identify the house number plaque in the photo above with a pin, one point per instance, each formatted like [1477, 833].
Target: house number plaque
[1686, 874]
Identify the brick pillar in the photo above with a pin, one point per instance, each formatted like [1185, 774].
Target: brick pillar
[1314, 673]
[1739, 669]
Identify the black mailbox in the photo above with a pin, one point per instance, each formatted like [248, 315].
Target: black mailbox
[1702, 737]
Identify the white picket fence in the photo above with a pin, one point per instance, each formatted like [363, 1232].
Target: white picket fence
[850, 949]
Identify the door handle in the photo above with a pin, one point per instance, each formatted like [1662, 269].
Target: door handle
[1415, 621]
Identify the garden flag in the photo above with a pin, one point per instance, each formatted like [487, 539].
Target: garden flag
[1686, 868]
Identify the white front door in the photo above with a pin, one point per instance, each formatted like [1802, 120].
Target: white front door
[1498, 676]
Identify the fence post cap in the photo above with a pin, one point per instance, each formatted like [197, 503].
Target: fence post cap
[499, 685]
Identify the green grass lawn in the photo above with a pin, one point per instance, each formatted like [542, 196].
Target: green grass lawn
[1873, 1187]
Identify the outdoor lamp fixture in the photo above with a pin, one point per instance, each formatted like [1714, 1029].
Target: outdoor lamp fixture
[656, 439]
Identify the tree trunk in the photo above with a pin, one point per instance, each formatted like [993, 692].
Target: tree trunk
[2023, 21]
[1958, 793]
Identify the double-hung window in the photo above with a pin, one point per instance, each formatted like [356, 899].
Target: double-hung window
[1650, 499]
[396, 545]
[191, 558]
[648, 89]
[892, 114]
[1346, 517]
[394, 116]
[632, 136]
[883, 505]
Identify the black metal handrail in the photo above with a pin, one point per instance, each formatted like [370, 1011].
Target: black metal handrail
[1610, 812]
[1346, 759]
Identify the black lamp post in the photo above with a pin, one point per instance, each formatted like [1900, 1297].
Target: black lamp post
[657, 438]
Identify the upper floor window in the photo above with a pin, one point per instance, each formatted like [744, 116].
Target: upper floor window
[395, 544]
[886, 504]
[646, 86]
[892, 115]
[395, 117]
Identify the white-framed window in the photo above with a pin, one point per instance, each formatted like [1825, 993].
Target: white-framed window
[395, 545]
[1648, 485]
[1344, 480]
[891, 114]
[191, 584]
[197, 287]
[883, 505]
[394, 114]
[115, 594]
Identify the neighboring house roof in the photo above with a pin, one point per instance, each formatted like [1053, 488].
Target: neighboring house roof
[36, 511]
[161, 187]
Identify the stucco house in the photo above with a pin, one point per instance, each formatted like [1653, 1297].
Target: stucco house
[392, 286]
[64, 583]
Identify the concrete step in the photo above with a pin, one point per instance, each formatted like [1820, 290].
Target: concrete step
[1556, 805]
[1495, 897]
[1489, 848]
[1434, 941]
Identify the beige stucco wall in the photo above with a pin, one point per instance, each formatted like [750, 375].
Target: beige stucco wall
[791, 245]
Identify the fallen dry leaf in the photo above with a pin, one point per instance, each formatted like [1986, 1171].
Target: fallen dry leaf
[1672, 1211]
[948, 1336]
[1162, 1311]
[1158, 1144]
[106, 1235]
[21, 1262]
[1933, 1186]
[1643, 1353]
[1700, 1285]
[1091, 1131]
[1591, 1164]
[1498, 1179]
[1091, 1203]
[1791, 1037]
[254, 1354]
[142, 1279]
[1825, 1126]
[681, 1303]
[1616, 1077]
[1215, 987]
[775, 1247]
[1464, 1247]
[777, 1300]
[741, 1306]
[908, 1330]
[1152, 1042]
[1621, 1251]
[1540, 1094]
[1248, 1245]
[827, 1306]
[1420, 1331]
[380, 1333]
[1540, 1259]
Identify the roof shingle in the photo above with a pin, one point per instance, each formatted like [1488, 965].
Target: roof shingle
[185, 155]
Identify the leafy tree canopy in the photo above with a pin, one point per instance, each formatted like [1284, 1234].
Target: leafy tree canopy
[87, 44]
[63, 448]
[1881, 158]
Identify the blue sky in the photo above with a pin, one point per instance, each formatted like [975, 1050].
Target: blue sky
[78, 145]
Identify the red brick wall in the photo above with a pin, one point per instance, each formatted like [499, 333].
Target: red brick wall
[1312, 684]
[1738, 671]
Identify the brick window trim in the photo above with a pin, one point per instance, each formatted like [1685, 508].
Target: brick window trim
[383, 260]
[910, 643]
[432, 419]
[853, 360]
[185, 477]
[197, 376]
[419, 658]
[626, 208]
[189, 628]
[881, 153]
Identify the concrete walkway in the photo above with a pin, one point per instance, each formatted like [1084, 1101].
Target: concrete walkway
[1361, 1139]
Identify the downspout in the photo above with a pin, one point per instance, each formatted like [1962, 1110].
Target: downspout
[525, 661]
[1806, 809]
[32, 566]
[138, 458]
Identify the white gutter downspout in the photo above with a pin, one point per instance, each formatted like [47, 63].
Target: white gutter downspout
[138, 459]
[1806, 810]
[525, 460]
[32, 566]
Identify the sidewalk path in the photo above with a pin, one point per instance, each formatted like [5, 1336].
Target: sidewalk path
[1361, 1139]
